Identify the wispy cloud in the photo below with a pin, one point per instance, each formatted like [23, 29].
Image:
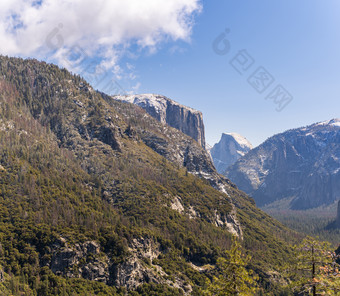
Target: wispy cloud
[103, 28]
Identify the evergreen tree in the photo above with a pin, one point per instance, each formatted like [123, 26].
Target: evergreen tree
[233, 277]
[315, 269]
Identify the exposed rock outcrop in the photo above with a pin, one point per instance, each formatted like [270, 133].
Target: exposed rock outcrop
[87, 261]
[228, 150]
[300, 165]
[80, 260]
[135, 271]
[187, 120]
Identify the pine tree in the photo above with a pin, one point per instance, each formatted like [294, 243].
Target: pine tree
[315, 271]
[232, 278]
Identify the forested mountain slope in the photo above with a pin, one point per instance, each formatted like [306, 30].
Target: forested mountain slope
[99, 198]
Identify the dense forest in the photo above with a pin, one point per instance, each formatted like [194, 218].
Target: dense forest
[316, 222]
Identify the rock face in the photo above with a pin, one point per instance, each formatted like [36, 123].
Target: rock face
[139, 268]
[134, 271]
[80, 260]
[187, 120]
[301, 166]
[87, 261]
[228, 150]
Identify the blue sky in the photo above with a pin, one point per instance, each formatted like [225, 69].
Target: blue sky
[298, 42]
[166, 47]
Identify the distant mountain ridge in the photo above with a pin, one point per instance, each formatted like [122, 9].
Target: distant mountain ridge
[302, 165]
[186, 119]
[228, 150]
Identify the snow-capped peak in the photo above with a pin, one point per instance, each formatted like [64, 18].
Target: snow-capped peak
[228, 150]
[158, 102]
[332, 122]
[242, 141]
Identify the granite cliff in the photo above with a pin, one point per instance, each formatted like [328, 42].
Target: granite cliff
[187, 120]
[228, 150]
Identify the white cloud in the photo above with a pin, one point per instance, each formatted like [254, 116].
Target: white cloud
[89, 37]
[103, 28]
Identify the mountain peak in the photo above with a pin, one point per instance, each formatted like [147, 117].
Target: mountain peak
[332, 122]
[156, 100]
[228, 150]
[185, 119]
[241, 140]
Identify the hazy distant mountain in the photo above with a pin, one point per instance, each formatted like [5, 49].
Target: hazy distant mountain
[183, 118]
[301, 165]
[228, 150]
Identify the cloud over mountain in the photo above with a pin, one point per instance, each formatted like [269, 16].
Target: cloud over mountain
[102, 28]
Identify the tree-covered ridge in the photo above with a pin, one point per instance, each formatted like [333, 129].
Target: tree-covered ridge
[76, 170]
